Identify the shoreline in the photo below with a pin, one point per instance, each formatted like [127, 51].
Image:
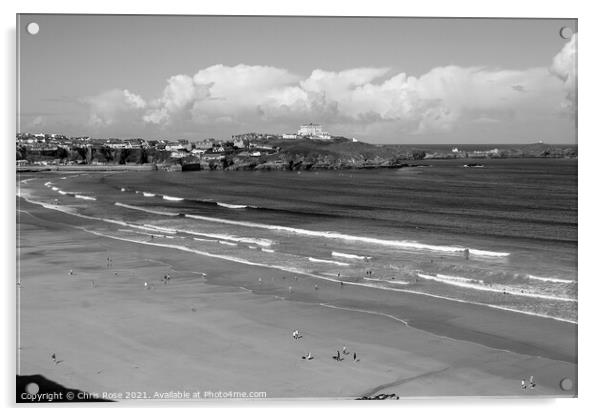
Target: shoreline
[225, 280]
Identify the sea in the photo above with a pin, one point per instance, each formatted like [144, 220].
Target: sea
[502, 235]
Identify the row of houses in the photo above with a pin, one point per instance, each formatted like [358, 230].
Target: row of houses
[251, 142]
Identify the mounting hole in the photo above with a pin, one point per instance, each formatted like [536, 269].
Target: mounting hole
[566, 32]
[566, 384]
[32, 388]
[33, 28]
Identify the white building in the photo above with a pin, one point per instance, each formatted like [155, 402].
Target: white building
[286, 136]
[313, 131]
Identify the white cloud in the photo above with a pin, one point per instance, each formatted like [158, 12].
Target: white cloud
[564, 66]
[444, 99]
[112, 106]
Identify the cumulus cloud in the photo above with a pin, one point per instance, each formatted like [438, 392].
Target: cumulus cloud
[440, 100]
[564, 66]
[114, 105]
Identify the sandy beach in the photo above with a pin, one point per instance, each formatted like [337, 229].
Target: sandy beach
[219, 326]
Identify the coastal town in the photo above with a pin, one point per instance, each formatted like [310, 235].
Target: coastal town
[311, 147]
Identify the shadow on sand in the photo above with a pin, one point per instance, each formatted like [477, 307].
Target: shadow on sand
[38, 389]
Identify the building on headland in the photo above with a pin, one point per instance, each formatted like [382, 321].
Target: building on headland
[287, 136]
[313, 131]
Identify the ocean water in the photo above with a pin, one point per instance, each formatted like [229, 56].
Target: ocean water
[504, 235]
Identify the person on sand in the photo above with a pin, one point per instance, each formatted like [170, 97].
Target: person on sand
[531, 383]
[308, 356]
[316, 287]
[71, 272]
[345, 350]
[523, 384]
[466, 253]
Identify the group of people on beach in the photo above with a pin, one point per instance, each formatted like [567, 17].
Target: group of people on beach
[523, 383]
[297, 335]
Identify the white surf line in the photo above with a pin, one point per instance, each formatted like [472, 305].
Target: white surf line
[227, 243]
[338, 263]
[349, 256]
[551, 279]
[327, 305]
[480, 287]
[150, 211]
[412, 245]
[89, 198]
[172, 198]
[347, 237]
[231, 206]
[227, 237]
[301, 272]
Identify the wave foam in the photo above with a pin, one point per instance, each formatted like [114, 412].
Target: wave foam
[263, 242]
[338, 263]
[403, 244]
[150, 211]
[349, 256]
[463, 282]
[228, 243]
[231, 206]
[551, 279]
[88, 198]
[148, 194]
[172, 198]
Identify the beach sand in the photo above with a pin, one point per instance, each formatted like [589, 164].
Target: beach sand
[224, 331]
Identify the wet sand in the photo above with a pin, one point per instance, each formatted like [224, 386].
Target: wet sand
[224, 331]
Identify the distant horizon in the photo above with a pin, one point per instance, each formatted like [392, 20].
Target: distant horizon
[419, 80]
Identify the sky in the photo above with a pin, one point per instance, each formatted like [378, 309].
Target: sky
[380, 80]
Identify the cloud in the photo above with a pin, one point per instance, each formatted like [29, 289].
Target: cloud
[112, 106]
[564, 66]
[442, 100]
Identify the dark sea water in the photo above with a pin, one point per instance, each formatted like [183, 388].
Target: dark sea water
[405, 229]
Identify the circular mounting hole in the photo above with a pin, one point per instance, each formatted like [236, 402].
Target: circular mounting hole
[566, 32]
[566, 384]
[33, 28]
[32, 388]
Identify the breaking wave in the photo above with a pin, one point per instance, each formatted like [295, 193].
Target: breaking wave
[479, 285]
[338, 263]
[349, 256]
